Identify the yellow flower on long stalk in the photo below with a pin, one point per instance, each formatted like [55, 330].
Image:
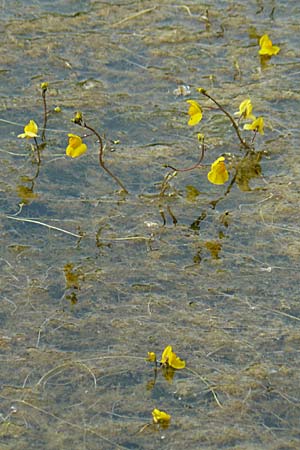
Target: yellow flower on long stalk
[161, 417]
[267, 47]
[257, 125]
[76, 147]
[195, 112]
[170, 359]
[151, 357]
[30, 131]
[245, 110]
[218, 172]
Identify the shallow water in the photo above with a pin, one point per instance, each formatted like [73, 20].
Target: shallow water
[80, 311]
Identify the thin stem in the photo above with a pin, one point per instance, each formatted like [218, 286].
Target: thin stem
[37, 151]
[195, 166]
[44, 90]
[101, 160]
[234, 124]
[165, 184]
[215, 202]
[255, 133]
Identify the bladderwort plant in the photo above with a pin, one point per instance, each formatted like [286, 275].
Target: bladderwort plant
[219, 172]
[76, 148]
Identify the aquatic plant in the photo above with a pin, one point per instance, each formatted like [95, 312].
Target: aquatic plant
[75, 147]
[30, 131]
[245, 110]
[218, 173]
[161, 417]
[257, 125]
[195, 113]
[78, 120]
[266, 46]
[170, 359]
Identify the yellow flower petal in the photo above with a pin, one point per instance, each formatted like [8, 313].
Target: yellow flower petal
[195, 112]
[245, 110]
[267, 47]
[76, 147]
[160, 416]
[170, 359]
[176, 362]
[165, 355]
[30, 130]
[257, 125]
[218, 173]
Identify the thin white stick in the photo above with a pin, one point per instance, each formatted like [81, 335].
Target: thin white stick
[37, 222]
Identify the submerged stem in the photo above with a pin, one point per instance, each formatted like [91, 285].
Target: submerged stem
[195, 166]
[234, 124]
[38, 153]
[101, 159]
[44, 90]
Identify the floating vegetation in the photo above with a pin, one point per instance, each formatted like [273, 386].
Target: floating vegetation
[150, 246]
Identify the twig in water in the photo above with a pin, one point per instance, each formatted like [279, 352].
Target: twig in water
[37, 222]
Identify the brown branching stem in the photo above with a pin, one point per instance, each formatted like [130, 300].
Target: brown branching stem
[101, 158]
[234, 124]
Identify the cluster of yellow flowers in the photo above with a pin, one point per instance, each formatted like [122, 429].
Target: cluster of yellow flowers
[245, 112]
[218, 173]
[74, 149]
[168, 360]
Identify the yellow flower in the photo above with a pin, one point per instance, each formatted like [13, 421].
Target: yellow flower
[245, 110]
[30, 130]
[161, 417]
[218, 173]
[267, 47]
[78, 118]
[76, 147]
[170, 359]
[195, 112]
[151, 357]
[44, 86]
[257, 125]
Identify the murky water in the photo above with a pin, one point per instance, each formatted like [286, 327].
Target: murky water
[218, 280]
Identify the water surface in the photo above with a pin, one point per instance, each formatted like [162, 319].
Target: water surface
[79, 314]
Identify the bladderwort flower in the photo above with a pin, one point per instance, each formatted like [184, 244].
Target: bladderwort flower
[151, 357]
[245, 110]
[161, 417]
[170, 359]
[30, 131]
[218, 172]
[257, 125]
[195, 112]
[266, 46]
[76, 147]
